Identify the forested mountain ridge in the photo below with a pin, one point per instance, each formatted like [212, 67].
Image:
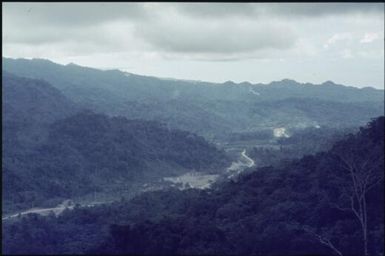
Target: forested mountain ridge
[30, 104]
[59, 151]
[52, 148]
[212, 110]
[87, 152]
[116, 80]
[302, 208]
[35, 99]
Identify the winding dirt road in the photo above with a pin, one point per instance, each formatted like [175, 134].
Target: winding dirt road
[202, 181]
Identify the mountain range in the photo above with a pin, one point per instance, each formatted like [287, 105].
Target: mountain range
[212, 110]
[75, 133]
[53, 148]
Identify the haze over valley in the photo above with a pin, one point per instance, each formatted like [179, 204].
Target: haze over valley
[101, 159]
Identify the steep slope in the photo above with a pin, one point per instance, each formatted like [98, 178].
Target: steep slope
[300, 209]
[36, 100]
[29, 104]
[51, 151]
[274, 211]
[29, 107]
[90, 152]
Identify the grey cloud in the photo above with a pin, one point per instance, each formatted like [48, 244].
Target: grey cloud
[322, 9]
[201, 31]
[217, 38]
[251, 37]
[44, 23]
[71, 14]
[164, 30]
[216, 10]
[51, 34]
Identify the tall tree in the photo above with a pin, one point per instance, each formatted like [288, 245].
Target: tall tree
[361, 160]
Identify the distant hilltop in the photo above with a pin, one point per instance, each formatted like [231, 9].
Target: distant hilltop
[278, 83]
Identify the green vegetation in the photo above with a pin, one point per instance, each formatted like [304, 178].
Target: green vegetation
[303, 208]
[208, 109]
[52, 152]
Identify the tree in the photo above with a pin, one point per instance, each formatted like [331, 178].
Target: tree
[361, 161]
[323, 238]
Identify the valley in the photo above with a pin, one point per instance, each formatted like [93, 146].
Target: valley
[96, 156]
[202, 128]
[89, 156]
[189, 180]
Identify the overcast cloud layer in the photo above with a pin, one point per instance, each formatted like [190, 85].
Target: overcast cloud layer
[312, 42]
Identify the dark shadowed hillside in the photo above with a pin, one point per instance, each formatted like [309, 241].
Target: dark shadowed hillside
[51, 150]
[90, 152]
[193, 129]
[301, 208]
[30, 105]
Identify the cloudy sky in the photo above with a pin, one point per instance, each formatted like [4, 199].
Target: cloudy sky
[314, 42]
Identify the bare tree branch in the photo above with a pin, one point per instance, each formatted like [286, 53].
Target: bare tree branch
[323, 240]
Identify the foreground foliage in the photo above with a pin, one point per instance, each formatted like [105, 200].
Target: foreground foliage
[302, 208]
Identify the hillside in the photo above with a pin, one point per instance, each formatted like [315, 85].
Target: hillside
[90, 152]
[29, 105]
[72, 75]
[301, 208]
[209, 109]
[52, 149]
